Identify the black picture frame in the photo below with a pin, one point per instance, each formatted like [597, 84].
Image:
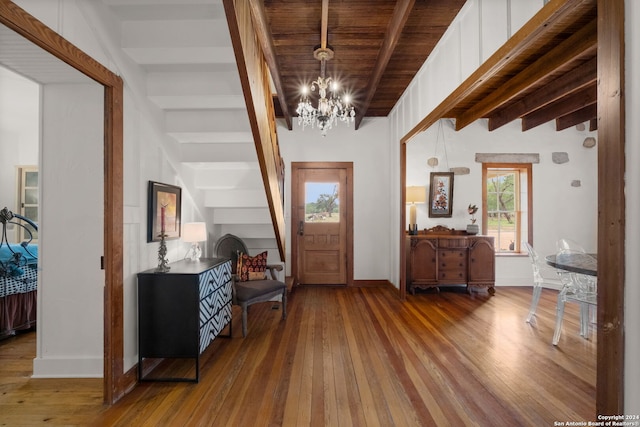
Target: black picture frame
[441, 195]
[168, 197]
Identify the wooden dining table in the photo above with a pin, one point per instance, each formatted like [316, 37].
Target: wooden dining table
[575, 262]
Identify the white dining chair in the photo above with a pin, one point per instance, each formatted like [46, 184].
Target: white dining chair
[576, 287]
[542, 275]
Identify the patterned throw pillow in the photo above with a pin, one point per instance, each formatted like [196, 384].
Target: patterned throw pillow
[252, 268]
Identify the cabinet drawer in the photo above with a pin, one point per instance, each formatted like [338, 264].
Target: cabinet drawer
[452, 266]
[213, 303]
[452, 243]
[212, 279]
[210, 329]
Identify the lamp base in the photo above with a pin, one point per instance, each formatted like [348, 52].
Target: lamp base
[194, 253]
[413, 229]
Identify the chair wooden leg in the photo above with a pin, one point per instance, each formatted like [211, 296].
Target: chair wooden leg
[284, 304]
[244, 320]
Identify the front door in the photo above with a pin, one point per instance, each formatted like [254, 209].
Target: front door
[321, 221]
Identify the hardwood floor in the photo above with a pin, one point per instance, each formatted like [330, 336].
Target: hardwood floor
[347, 357]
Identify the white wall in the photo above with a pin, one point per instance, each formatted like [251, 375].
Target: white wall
[19, 131]
[632, 194]
[366, 148]
[70, 282]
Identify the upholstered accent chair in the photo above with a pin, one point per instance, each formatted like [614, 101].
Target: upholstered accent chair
[249, 285]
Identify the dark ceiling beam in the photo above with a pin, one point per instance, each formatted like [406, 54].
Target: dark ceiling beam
[266, 43]
[543, 24]
[583, 75]
[578, 44]
[585, 114]
[561, 107]
[593, 124]
[396, 24]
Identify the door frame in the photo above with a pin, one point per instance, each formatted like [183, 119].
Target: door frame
[296, 167]
[115, 381]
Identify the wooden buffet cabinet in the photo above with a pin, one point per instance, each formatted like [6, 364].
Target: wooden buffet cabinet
[450, 257]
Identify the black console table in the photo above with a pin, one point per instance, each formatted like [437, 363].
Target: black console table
[181, 312]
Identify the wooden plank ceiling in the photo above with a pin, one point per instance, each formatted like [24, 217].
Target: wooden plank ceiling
[379, 47]
[546, 71]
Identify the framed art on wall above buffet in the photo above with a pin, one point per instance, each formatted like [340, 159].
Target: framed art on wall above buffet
[441, 195]
[163, 213]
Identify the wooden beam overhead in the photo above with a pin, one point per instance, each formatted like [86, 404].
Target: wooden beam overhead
[562, 107]
[580, 116]
[266, 42]
[578, 44]
[576, 79]
[398, 20]
[552, 24]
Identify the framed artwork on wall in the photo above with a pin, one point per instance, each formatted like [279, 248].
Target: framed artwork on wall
[163, 213]
[441, 195]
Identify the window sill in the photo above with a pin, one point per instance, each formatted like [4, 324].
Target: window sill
[512, 254]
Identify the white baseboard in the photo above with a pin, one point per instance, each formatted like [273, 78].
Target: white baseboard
[68, 368]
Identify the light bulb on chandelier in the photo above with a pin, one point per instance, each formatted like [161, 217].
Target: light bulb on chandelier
[331, 106]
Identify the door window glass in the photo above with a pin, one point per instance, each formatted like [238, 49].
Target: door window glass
[321, 202]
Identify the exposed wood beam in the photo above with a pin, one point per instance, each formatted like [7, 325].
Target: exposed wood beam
[576, 79]
[541, 24]
[561, 107]
[593, 124]
[266, 42]
[580, 116]
[398, 20]
[610, 393]
[578, 44]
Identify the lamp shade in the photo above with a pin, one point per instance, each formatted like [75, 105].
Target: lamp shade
[416, 194]
[193, 232]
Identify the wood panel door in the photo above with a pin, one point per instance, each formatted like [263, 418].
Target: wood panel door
[321, 223]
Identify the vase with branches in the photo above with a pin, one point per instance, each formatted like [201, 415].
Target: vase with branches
[473, 227]
[472, 209]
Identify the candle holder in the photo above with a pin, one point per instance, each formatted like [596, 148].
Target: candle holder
[163, 262]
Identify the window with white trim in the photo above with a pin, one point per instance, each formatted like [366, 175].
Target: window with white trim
[506, 213]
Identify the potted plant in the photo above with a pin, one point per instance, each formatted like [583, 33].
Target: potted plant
[473, 227]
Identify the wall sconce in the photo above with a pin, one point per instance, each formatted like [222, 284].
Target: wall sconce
[194, 233]
[414, 195]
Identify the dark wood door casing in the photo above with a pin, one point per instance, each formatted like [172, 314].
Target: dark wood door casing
[297, 206]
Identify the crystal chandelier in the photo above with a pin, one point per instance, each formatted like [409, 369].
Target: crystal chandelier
[331, 106]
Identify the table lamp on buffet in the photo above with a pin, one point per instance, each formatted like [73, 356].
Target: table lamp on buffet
[415, 195]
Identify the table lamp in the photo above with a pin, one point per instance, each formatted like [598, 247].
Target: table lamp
[414, 195]
[194, 233]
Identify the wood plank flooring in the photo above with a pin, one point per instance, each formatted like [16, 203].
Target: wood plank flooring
[347, 357]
